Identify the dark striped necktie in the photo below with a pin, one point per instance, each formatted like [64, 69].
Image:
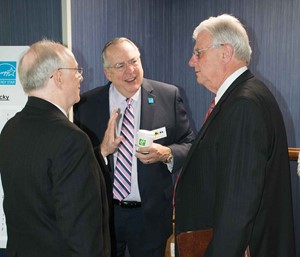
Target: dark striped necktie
[122, 174]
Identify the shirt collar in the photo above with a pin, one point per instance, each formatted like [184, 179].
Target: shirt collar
[226, 84]
[119, 99]
[61, 109]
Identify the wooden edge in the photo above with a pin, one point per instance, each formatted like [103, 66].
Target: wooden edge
[293, 153]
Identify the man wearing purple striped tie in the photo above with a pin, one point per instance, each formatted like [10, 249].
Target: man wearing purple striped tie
[140, 179]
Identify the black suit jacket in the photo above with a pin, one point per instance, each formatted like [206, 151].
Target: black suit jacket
[155, 180]
[236, 178]
[55, 197]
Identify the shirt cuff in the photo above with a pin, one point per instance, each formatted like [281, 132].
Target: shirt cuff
[170, 165]
[105, 159]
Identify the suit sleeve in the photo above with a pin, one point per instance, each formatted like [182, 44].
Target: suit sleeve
[242, 157]
[184, 134]
[79, 196]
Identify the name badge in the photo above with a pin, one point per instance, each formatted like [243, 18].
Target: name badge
[159, 133]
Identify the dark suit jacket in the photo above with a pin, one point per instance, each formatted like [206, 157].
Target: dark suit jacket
[236, 178]
[155, 181]
[55, 197]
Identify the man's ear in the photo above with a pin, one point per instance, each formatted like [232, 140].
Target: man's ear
[107, 74]
[58, 78]
[227, 51]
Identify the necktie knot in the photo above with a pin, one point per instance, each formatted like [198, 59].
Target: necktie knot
[129, 102]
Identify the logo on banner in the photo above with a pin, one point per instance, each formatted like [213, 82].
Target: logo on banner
[8, 73]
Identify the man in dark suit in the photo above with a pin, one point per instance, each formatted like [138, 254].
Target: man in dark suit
[143, 219]
[55, 199]
[236, 178]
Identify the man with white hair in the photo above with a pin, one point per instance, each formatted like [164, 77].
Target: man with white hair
[236, 178]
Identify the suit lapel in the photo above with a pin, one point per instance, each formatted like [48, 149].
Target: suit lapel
[148, 105]
[103, 104]
[243, 77]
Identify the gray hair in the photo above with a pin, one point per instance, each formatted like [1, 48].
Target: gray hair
[226, 29]
[114, 41]
[38, 63]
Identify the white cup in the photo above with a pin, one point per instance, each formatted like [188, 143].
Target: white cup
[144, 138]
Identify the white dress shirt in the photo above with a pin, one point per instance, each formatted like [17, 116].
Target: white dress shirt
[226, 84]
[118, 101]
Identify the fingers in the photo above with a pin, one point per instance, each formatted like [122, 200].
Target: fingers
[143, 150]
[110, 142]
[146, 155]
[145, 158]
[118, 140]
[112, 122]
[152, 154]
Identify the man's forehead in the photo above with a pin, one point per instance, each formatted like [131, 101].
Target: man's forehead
[203, 38]
[122, 55]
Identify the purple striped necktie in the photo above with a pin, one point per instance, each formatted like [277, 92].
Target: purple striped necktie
[122, 173]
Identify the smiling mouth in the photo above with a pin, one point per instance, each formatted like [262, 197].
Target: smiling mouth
[130, 80]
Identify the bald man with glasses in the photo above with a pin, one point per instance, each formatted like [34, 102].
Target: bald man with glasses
[142, 219]
[55, 199]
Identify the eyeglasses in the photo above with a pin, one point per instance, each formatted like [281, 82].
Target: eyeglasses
[79, 70]
[123, 65]
[198, 52]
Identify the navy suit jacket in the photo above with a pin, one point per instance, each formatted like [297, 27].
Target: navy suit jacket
[155, 180]
[55, 198]
[236, 178]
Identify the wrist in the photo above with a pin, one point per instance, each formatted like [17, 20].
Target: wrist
[169, 157]
[102, 151]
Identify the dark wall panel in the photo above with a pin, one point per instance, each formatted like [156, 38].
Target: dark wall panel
[26, 21]
[95, 22]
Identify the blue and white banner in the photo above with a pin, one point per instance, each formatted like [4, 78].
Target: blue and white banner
[8, 73]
